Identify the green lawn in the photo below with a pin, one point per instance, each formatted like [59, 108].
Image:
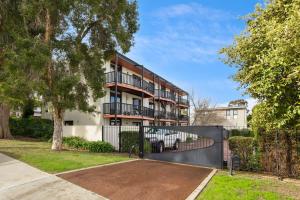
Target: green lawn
[38, 154]
[243, 186]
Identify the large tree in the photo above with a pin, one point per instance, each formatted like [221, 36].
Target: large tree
[267, 57]
[76, 38]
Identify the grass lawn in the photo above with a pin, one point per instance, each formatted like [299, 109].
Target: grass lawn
[244, 186]
[38, 154]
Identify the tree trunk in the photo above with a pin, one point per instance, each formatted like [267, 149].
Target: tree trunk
[4, 122]
[57, 132]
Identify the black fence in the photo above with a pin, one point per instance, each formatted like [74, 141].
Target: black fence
[184, 144]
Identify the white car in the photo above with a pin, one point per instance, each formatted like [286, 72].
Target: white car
[163, 138]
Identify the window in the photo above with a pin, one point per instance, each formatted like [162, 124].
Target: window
[235, 114]
[69, 123]
[137, 81]
[136, 106]
[114, 122]
[151, 105]
[136, 123]
[228, 114]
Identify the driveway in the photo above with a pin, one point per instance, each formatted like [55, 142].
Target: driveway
[141, 179]
[19, 181]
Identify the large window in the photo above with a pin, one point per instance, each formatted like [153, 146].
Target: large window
[137, 106]
[235, 114]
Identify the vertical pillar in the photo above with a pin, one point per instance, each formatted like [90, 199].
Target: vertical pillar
[142, 107]
[141, 141]
[116, 87]
[154, 99]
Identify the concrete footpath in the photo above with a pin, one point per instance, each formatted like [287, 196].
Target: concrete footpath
[19, 181]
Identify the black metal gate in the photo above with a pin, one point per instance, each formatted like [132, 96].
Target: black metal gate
[198, 145]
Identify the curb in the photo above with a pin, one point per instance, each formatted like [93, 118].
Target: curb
[96, 166]
[203, 184]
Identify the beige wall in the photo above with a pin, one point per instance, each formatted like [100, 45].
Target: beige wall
[218, 117]
[91, 133]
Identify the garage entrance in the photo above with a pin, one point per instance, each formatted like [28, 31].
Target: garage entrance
[197, 145]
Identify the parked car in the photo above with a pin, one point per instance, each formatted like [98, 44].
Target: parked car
[163, 138]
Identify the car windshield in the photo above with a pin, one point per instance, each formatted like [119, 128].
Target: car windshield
[157, 131]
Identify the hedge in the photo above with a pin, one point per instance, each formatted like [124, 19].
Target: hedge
[91, 146]
[241, 132]
[130, 138]
[244, 147]
[31, 127]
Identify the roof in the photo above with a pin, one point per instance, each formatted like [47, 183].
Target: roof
[146, 69]
[227, 108]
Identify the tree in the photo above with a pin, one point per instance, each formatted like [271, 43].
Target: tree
[14, 86]
[267, 57]
[73, 39]
[204, 112]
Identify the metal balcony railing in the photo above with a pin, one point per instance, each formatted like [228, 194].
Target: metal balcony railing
[183, 118]
[183, 101]
[165, 94]
[129, 80]
[165, 115]
[127, 109]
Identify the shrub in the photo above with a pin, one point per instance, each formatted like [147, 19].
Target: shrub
[189, 139]
[128, 139]
[241, 132]
[76, 142]
[244, 148]
[100, 147]
[31, 127]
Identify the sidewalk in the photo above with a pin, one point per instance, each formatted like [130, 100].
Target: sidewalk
[19, 181]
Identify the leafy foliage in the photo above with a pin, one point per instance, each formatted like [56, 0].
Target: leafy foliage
[57, 48]
[92, 146]
[31, 127]
[76, 143]
[267, 56]
[241, 132]
[100, 147]
[244, 148]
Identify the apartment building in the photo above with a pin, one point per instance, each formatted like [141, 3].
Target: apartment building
[231, 117]
[134, 96]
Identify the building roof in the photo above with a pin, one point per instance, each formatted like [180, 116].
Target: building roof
[149, 71]
[226, 108]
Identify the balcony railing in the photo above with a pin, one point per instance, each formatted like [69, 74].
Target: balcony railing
[183, 101]
[165, 94]
[183, 118]
[127, 109]
[129, 80]
[165, 115]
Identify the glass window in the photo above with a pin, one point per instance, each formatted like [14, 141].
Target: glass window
[114, 122]
[228, 112]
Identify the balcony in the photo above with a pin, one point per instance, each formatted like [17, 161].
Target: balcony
[129, 83]
[183, 118]
[183, 102]
[127, 111]
[168, 116]
[165, 95]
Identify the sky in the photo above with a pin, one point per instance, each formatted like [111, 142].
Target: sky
[180, 40]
